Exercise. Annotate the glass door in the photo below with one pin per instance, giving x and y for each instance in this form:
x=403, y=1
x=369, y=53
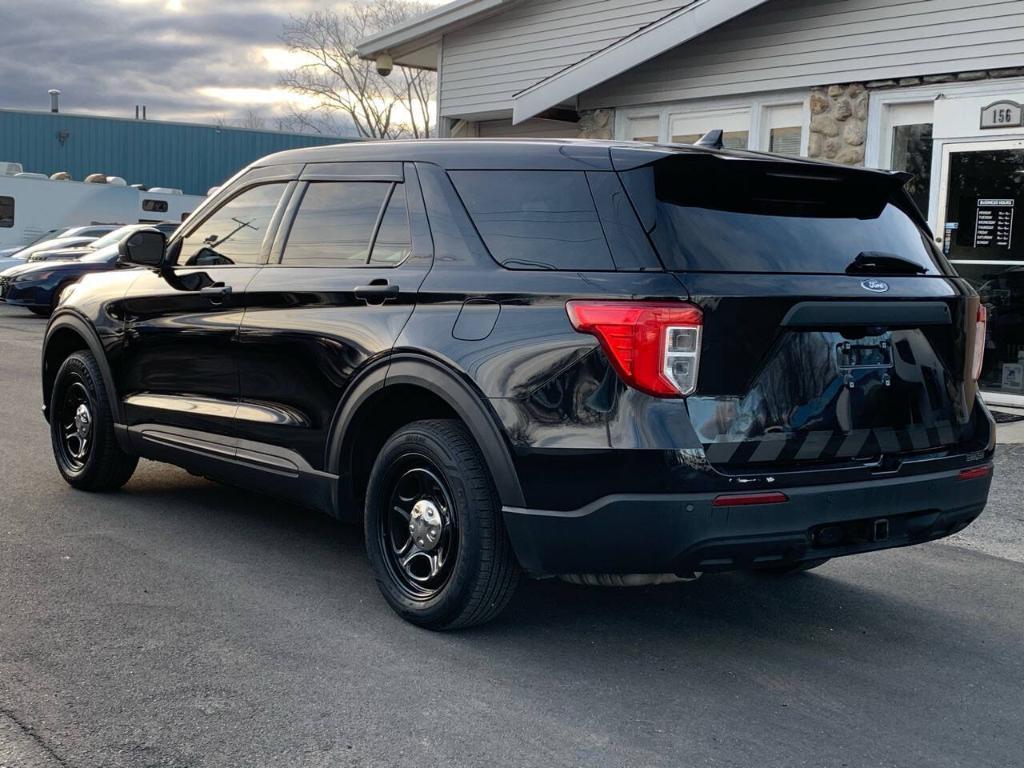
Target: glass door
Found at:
x=981, y=229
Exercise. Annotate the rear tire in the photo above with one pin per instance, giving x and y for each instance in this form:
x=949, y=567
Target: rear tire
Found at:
x=788, y=570
x=85, y=448
x=434, y=533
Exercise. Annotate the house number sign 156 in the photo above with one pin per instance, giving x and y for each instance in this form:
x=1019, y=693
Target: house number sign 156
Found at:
x=1002, y=114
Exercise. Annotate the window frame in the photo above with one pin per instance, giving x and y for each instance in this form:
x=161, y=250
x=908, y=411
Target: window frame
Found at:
x=757, y=109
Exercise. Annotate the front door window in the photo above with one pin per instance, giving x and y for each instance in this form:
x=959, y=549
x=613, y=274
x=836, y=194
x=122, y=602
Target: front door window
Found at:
x=983, y=235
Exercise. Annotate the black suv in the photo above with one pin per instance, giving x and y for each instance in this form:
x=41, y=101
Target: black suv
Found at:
x=551, y=357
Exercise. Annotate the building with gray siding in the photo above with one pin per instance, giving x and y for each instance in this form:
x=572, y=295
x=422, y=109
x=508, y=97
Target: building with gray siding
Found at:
x=184, y=156
x=933, y=87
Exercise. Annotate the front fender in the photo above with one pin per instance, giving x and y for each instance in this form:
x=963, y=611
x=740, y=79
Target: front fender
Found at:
x=65, y=322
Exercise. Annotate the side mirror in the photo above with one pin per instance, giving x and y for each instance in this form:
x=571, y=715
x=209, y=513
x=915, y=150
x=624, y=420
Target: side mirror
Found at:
x=144, y=248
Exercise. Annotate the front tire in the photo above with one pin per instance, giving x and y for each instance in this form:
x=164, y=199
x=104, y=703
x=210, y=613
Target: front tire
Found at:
x=434, y=534
x=82, y=428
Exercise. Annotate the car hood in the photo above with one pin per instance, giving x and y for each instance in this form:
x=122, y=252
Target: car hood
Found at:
x=64, y=253
x=36, y=266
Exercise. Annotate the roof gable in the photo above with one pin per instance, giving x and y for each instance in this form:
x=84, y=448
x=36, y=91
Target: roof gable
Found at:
x=528, y=56
x=669, y=32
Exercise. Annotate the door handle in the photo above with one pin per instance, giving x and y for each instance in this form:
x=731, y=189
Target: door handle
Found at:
x=377, y=291
x=216, y=292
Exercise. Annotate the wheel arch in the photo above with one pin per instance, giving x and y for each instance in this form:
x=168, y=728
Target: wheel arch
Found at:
x=66, y=334
x=427, y=388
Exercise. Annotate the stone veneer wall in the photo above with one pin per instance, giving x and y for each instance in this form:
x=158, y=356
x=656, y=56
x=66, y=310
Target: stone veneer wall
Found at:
x=597, y=124
x=839, y=123
x=839, y=113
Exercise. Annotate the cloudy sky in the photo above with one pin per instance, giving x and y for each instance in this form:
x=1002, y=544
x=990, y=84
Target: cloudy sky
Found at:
x=191, y=60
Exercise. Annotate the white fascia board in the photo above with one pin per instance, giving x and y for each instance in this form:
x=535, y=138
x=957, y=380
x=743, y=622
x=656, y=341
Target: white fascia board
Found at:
x=428, y=25
x=668, y=32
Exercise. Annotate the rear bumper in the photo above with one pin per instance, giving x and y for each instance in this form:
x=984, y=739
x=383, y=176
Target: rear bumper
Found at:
x=682, y=533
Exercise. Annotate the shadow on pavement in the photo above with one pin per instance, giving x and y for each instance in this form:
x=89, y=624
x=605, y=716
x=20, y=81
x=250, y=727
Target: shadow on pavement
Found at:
x=744, y=607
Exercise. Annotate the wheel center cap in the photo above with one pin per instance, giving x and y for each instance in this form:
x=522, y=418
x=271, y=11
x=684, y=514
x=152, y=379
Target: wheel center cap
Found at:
x=425, y=524
x=83, y=420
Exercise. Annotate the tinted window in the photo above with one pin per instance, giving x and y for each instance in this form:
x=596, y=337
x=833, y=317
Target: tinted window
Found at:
x=335, y=222
x=535, y=219
x=234, y=233
x=6, y=212
x=393, y=243
x=157, y=206
x=732, y=216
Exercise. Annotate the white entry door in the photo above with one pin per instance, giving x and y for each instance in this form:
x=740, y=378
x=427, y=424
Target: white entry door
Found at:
x=981, y=230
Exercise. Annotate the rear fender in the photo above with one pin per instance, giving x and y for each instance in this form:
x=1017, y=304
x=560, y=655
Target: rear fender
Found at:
x=446, y=384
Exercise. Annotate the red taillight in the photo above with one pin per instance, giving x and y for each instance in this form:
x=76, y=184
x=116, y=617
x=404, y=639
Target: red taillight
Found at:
x=980, y=329
x=974, y=473
x=749, y=499
x=653, y=346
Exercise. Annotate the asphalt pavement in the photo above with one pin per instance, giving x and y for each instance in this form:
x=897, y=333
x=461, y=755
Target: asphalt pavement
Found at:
x=183, y=623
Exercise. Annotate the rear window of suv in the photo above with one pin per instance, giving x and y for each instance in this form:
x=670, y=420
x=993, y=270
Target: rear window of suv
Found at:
x=706, y=214
x=535, y=219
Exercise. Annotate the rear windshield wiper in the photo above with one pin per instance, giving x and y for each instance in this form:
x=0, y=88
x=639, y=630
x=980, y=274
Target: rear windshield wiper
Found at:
x=879, y=263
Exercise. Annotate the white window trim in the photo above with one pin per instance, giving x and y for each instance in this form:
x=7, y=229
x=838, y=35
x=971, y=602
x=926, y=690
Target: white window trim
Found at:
x=877, y=146
x=759, y=135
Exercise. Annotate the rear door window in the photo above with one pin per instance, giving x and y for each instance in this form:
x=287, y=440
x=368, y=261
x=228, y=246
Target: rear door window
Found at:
x=535, y=219
x=335, y=223
x=714, y=215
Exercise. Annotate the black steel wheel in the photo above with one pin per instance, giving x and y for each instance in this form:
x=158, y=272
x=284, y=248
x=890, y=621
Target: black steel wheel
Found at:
x=85, y=448
x=75, y=419
x=419, y=530
x=434, y=533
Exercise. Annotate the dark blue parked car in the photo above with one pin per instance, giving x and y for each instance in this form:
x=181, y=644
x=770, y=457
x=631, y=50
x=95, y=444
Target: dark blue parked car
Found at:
x=38, y=285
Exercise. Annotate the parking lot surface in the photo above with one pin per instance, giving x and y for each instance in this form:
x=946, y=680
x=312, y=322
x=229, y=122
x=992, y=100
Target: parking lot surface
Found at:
x=184, y=623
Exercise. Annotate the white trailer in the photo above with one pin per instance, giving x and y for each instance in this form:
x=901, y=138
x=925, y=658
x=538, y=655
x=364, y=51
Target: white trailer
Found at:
x=32, y=204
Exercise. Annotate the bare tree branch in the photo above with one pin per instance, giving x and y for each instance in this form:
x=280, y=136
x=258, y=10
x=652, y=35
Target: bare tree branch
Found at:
x=339, y=82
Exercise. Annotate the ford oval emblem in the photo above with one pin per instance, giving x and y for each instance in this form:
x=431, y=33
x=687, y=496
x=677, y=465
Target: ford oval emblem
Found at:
x=875, y=286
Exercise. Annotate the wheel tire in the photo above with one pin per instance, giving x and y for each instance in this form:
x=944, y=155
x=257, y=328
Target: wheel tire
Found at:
x=434, y=469
x=41, y=311
x=96, y=463
x=787, y=570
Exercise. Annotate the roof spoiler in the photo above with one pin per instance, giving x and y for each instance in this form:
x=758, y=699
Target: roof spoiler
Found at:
x=713, y=139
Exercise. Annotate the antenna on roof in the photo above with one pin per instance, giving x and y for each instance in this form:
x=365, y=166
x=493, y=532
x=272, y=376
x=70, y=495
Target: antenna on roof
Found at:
x=713, y=139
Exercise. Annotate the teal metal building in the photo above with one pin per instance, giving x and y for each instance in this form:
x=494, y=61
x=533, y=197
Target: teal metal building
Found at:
x=186, y=156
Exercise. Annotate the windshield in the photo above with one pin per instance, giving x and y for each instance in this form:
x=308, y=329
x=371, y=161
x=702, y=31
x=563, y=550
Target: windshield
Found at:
x=113, y=238
x=47, y=236
x=735, y=216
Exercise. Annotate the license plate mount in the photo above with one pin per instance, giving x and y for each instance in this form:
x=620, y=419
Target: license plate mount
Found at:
x=864, y=354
